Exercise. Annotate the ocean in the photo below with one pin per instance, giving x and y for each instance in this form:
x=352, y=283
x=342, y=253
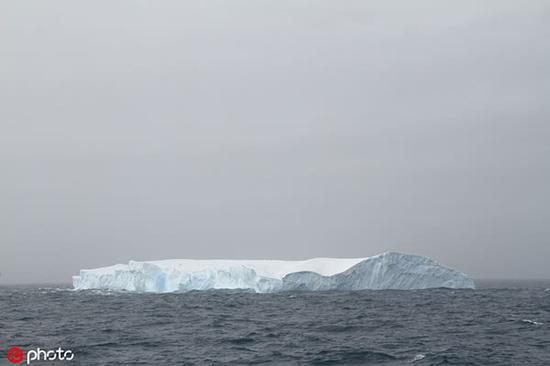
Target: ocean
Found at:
x=501, y=323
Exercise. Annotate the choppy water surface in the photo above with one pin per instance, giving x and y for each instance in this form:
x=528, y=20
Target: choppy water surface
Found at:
x=491, y=326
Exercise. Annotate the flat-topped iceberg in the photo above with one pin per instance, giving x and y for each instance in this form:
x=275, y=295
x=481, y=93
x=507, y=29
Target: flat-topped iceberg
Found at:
x=384, y=271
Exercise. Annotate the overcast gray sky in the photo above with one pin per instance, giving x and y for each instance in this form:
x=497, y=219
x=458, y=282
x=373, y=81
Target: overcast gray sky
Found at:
x=274, y=129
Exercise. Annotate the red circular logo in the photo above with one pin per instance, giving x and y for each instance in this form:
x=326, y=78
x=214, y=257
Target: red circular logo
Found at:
x=15, y=355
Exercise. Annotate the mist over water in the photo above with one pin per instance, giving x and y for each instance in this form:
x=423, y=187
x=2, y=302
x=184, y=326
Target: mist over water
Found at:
x=494, y=325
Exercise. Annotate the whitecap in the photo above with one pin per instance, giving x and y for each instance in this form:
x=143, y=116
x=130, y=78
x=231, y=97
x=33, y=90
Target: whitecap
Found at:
x=529, y=321
x=418, y=357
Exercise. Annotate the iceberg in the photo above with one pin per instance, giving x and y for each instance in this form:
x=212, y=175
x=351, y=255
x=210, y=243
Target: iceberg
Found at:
x=390, y=270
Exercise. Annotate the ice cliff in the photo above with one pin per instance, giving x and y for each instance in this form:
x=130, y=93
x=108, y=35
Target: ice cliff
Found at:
x=384, y=271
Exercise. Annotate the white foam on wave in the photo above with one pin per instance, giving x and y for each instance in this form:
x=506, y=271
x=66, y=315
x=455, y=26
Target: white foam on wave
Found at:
x=529, y=321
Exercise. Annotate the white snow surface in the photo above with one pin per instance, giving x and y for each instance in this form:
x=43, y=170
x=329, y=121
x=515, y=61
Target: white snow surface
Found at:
x=400, y=271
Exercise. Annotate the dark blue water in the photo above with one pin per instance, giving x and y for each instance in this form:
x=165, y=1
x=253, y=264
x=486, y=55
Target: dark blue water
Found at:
x=490, y=326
